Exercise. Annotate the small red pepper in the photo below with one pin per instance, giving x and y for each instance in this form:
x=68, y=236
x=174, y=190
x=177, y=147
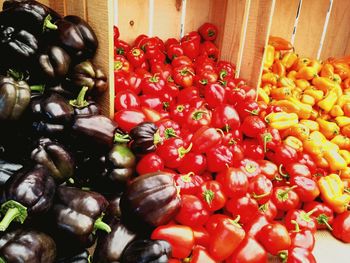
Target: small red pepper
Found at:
x=208, y=31
x=302, y=218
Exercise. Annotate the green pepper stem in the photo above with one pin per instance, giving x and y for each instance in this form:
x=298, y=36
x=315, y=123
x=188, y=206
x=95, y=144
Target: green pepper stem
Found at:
x=121, y=138
x=2, y=260
x=48, y=24
x=297, y=227
x=10, y=215
x=100, y=225
x=40, y=88
x=80, y=101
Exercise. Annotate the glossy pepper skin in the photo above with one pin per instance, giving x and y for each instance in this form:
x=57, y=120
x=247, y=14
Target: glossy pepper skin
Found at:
x=14, y=97
x=54, y=63
x=76, y=37
x=39, y=189
x=35, y=17
x=147, y=251
x=82, y=107
x=17, y=46
x=88, y=75
x=144, y=138
x=55, y=157
x=96, y=129
x=26, y=245
x=78, y=214
x=7, y=169
x=81, y=257
x=52, y=114
x=111, y=246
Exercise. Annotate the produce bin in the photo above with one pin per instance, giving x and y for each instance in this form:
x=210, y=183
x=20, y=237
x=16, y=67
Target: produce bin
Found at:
x=317, y=28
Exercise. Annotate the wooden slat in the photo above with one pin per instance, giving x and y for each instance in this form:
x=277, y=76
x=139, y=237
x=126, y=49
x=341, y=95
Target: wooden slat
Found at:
x=310, y=27
x=166, y=21
x=231, y=33
x=284, y=17
x=259, y=23
x=100, y=17
x=337, y=41
x=59, y=6
x=78, y=7
x=132, y=18
x=197, y=13
x=217, y=16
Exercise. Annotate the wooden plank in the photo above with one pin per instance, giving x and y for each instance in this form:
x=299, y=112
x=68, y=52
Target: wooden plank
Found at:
x=59, y=6
x=310, y=27
x=284, y=18
x=258, y=30
x=166, y=20
x=100, y=17
x=217, y=16
x=132, y=18
x=197, y=13
x=337, y=41
x=78, y=8
x=231, y=34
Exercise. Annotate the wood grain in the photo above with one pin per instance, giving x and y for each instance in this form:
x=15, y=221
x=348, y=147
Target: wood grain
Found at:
x=166, y=21
x=337, y=41
x=132, y=18
x=78, y=8
x=284, y=18
x=217, y=16
x=197, y=13
x=100, y=17
x=59, y=6
x=310, y=27
x=259, y=23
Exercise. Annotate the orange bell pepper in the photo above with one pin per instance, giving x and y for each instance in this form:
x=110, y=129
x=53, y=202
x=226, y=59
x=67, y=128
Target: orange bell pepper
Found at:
x=323, y=83
x=285, y=82
x=299, y=131
x=346, y=109
x=279, y=43
x=342, y=141
x=292, y=75
x=289, y=59
x=270, y=78
x=300, y=63
x=346, y=83
x=307, y=73
x=278, y=68
x=302, y=83
x=336, y=111
x=304, y=109
x=327, y=70
x=281, y=93
x=269, y=56
x=346, y=131
x=342, y=69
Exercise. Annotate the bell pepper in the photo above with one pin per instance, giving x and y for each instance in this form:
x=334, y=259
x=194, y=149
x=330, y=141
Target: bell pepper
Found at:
x=316, y=64
x=110, y=246
x=269, y=56
x=25, y=245
x=270, y=78
x=329, y=129
x=316, y=94
x=55, y=158
x=204, y=139
x=289, y=59
x=281, y=93
x=278, y=68
x=300, y=63
x=297, y=93
x=307, y=99
x=342, y=141
x=280, y=43
x=312, y=125
x=341, y=227
x=144, y=138
x=302, y=83
x=74, y=206
x=294, y=142
x=329, y=101
x=299, y=130
x=327, y=70
x=285, y=82
x=17, y=206
x=7, y=169
x=281, y=120
x=286, y=106
x=14, y=97
x=342, y=121
x=342, y=69
x=336, y=111
x=307, y=73
x=346, y=156
x=304, y=109
x=321, y=162
x=263, y=96
x=332, y=192
x=85, y=74
x=324, y=83
x=82, y=107
x=346, y=131
x=342, y=100
x=335, y=160
x=292, y=75
x=79, y=257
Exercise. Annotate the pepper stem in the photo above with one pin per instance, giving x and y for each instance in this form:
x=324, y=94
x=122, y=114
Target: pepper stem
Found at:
x=280, y=170
x=39, y=87
x=121, y=138
x=297, y=227
x=255, y=196
x=48, y=24
x=100, y=225
x=2, y=260
x=80, y=101
x=13, y=211
x=182, y=150
x=323, y=219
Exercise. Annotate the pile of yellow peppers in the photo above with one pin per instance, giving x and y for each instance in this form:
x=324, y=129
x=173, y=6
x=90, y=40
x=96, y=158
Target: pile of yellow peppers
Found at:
x=315, y=98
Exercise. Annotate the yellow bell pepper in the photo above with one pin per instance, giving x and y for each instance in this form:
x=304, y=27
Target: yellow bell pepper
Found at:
x=342, y=141
x=335, y=160
x=329, y=129
x=277, y=55
x=307, y=73
x=302, y=83
x=329, y=101
x=307, y=99
x=345, y=174
x=305, y=109
x=289, y=59
x=314, y=115
x=285, y=82
x=267, y=89
x=346, y=156
x=316, y=94
x=312, y=125
x=329, y=146
x=269, y=77
x=342, y=121
x=342, y=100
x=262, y=96
x=281, y=120
x=332, y=192
x=296, y=93
x=299, y=131
x=336, y=111
x=301, y=63
x=281, y=93
x=294, y=142
x=269, y=56
x=327, y=70
x=286, y=105
x=316, y=64
x=313, y=147
x=292, y=75
x=324, y=83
